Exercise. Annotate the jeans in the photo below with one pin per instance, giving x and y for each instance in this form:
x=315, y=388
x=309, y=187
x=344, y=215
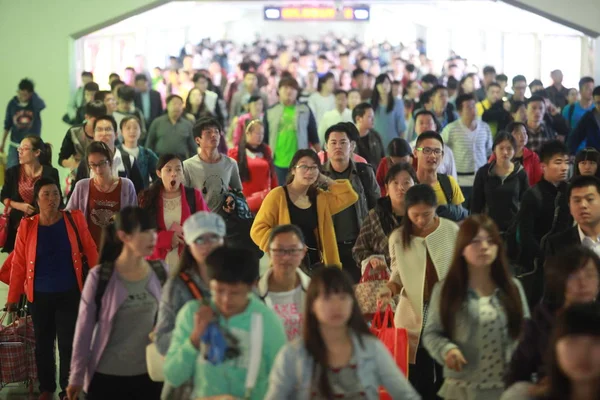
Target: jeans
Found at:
x=281, y=175
x=54, y=315
x=112, y=387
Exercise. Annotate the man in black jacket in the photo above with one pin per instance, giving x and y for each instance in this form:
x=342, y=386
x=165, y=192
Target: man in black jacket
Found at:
x=147, y=100
x=369, y=144
x=544, y=211
x=584, y=203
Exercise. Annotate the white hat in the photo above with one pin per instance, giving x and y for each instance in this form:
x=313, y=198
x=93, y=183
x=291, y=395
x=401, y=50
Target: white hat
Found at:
x=203, y=222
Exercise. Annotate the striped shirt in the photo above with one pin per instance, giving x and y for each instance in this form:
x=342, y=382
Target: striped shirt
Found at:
x=471, y=148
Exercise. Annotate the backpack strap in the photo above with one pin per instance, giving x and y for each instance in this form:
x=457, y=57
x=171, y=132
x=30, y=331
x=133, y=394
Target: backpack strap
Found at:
x=159, y=269
x=106, y=271
x=192, y=287
x=190, y=196
x=446, y=186
x=363, y=170
x=570, y=116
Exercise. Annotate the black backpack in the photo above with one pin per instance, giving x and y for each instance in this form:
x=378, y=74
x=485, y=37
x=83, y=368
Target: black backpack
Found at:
x=238, y=222
x=190, y=196
x=106, y=271
x=363, y=174
x=446, y=186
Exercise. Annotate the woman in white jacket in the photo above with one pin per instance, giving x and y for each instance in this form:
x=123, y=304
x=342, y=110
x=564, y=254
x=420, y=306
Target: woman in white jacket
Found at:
x=421, y=253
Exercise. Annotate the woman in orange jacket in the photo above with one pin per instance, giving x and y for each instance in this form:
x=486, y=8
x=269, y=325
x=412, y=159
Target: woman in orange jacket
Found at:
x=49, y=266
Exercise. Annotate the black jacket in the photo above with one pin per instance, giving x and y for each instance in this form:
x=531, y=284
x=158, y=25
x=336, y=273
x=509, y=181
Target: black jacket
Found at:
x=370, y=147
x=156, y=108
x=562, y=240
x=587, y=129
x=10, y=190
x=499, y=198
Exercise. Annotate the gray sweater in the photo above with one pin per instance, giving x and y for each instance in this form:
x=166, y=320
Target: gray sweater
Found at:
x=164, y=137
x=212, y=179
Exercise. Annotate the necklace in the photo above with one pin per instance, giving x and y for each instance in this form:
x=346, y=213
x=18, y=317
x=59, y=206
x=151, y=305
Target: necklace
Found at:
x=110, y=187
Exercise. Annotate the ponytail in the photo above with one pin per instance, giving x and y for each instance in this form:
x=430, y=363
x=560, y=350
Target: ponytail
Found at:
x=110, y=245
x=45, y=149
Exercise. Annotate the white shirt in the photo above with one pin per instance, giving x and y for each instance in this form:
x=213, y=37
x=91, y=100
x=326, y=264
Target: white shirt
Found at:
x=330, y=118
x=589, y=242
x=471, y=147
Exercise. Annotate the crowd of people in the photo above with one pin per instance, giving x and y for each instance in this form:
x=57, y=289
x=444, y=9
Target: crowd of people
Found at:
x=336, y=160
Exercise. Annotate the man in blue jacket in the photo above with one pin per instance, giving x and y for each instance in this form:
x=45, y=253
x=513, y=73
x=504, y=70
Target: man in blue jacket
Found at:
x=22, y=119
x=588, y=127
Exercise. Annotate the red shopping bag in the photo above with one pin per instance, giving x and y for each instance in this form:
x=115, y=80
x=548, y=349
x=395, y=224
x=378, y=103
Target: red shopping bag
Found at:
x=395, y=339
x=17, y=351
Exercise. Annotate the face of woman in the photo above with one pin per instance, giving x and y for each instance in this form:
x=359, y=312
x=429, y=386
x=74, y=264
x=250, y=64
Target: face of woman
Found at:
x=578, y=357
x=141, y=243
x=256, y=135
x=195, y=98
x=520, y=135
x=504, y=152
x=100, y=165
x=131, y=131
x=421, y=215
x=588, y=168
x=482, y=251
x=26, y=153
x=414, y=90
x=204, y=245
x=333, y=310
x=469, y=85
x=306, y=171
x=520, y=115
x=48, y=198
x=583, y=285
x=286, y=252
x=256, y=108
x=384, y=87
x=398, y=186
x=171, y=175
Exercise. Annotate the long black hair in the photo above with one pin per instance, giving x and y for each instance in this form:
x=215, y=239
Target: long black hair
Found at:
x=587, y=154
x=375, y=98
x=262, y=148
x=149, y=197
x=328, y=280
x=202, y=110
x=128, y=220
x=418, y=194
x=45, y=157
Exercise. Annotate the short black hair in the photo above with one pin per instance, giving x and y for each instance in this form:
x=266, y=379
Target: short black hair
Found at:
x=535, y=82
x=114, y=75
x=204, y=123
x=515, y=105
x=141, y=77
x=585, y=80
x=254, y=98
x=232, y=266
x=493, y=84
x=91, y=87
x=106, y=118
x=101, y=95
x=173, y=96
x=97, y=147
x=535, y=99
x=198, y=76
x=397, y=168
x=27, y=85
x=438, y=127
x=87, y=74
x=463, y=98
x=504, y=136
x=582, y=181
x=429, y=135
x=551, y=149
x=360, y=110
x=426, y=97
x=488, y=69
x=430, y=78
x=596, y=91
x=452, y=83
x=95, y=109
x=126, y=93
x=286, y=228
x=501, y=78
x=340, y=91
x=357, y=72
x=347, y=127
x=437, y=88
x=518, y=78
x=116, y=83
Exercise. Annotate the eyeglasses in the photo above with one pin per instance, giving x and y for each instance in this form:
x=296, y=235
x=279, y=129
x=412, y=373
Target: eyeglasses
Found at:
x=286, y=252
x=428, y=150
x=101, y=164
x=306, y=168
x=23, y=149
x=208, y=239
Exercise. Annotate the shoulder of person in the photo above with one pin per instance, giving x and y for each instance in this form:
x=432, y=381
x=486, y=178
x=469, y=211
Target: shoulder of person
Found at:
x=518, y=391
x=77, y=215
x=127, y=182
x=449, y=225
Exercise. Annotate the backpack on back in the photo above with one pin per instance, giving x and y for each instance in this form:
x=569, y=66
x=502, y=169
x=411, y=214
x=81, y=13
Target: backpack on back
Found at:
x=446, y=186
x=190, y=196
x=106, y=271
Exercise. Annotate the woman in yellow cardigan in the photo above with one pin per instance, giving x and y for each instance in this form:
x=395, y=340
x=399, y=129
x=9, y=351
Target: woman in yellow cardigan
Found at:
x=302, y=202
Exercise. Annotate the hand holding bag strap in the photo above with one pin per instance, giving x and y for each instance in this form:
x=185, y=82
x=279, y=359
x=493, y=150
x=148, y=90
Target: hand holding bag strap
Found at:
x=85, y=268
x=256, y=344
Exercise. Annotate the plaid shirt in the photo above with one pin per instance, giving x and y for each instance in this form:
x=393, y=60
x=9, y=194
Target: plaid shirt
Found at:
x=371, y=240
x=536, y=139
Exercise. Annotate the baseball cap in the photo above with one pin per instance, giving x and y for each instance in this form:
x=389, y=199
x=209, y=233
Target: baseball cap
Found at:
x=201, y=223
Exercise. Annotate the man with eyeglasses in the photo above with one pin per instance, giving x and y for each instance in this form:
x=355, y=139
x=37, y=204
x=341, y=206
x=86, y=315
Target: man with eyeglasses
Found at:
x=588, y=128
x=340, y=140
x=471, y=141
x=426, y=121
x=124, y=165
x=519, y=86
x=429, y=152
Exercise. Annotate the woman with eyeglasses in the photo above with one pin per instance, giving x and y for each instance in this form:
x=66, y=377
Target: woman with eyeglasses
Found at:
x=303, y=203
x=499, y=185
x=283, y=286
x=35, y=162
x=371, y=246
x=104, y=195
x=202, y=233
x=476, y=315
x=255, y=164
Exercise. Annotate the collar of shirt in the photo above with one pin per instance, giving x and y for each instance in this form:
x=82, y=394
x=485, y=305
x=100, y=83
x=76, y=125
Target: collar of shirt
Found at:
x=586, y=240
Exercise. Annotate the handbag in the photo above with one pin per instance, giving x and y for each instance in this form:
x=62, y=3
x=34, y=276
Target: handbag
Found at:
x=395, y=339
x=367, y=288
x=4, y=226
x=17, y=351
x=85, y=266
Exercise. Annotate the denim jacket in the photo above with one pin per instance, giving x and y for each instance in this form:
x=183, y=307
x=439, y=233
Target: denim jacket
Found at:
x=291, y=375
x=466, y=335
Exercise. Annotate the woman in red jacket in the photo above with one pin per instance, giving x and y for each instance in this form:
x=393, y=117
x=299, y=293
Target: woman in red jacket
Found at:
x=255, y=162
x=171, y=203
x=48, y=266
